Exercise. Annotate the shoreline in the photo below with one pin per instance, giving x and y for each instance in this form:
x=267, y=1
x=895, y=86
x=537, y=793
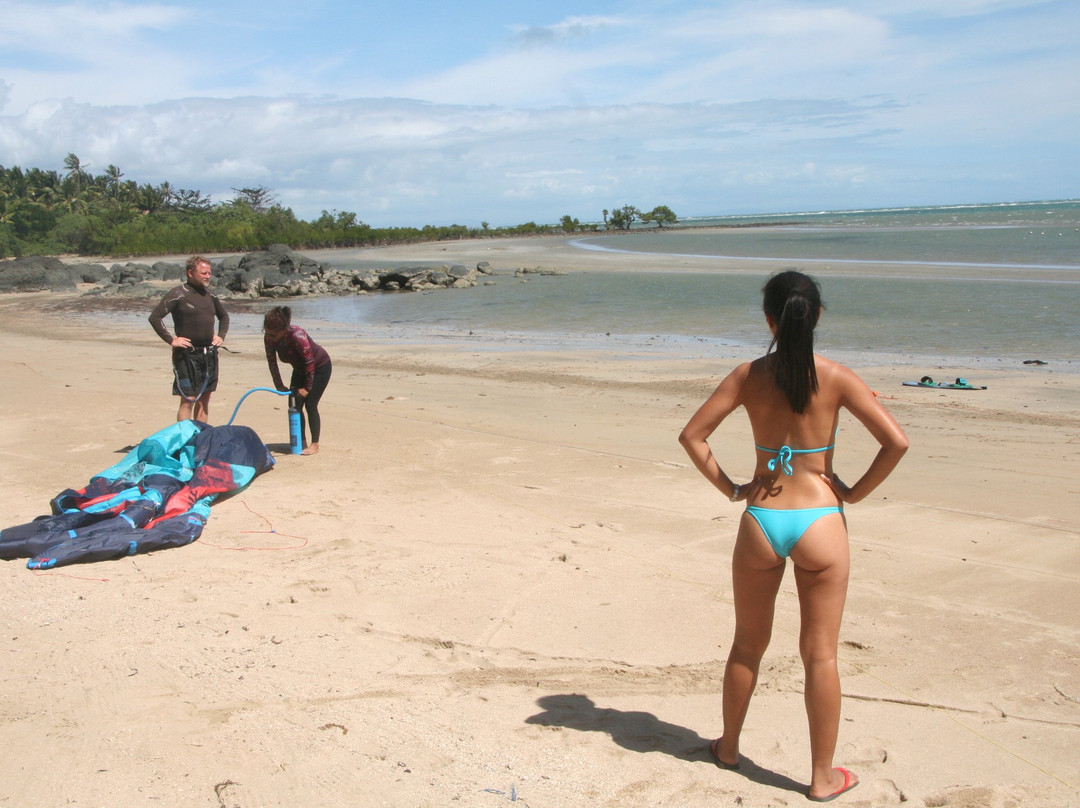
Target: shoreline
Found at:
x=556, y=253
x=705, y=352
x=559, y=252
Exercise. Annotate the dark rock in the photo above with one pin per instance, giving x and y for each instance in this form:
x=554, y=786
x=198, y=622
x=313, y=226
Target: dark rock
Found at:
x=33, y=273
x=131, y=273
x=369, y=281
x=537, y=271
x=139, y=291
x=59, y=280
x=167, y=271
x=274, y=277
x=276, y=272
x=89, y=273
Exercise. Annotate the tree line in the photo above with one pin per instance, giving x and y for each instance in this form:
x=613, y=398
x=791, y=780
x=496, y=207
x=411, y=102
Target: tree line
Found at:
x=49, y=212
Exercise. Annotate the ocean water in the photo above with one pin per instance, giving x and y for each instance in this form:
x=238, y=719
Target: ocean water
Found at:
x=887, y=245
x=995, y=284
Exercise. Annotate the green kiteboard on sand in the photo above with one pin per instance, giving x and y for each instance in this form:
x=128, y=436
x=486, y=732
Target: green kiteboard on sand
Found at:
x=959, y=384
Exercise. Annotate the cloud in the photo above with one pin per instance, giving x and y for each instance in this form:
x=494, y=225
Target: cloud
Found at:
x=58, y=27
x=707, y=107
x=400, y=156
x=88, y=51
x=566, y=31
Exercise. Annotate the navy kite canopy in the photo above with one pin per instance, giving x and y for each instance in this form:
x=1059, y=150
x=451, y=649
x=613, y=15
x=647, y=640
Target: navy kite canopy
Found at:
x=158, y=496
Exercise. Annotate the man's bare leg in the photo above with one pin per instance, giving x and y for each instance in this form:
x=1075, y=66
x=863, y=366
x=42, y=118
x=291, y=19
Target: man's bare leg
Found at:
x=202, y=408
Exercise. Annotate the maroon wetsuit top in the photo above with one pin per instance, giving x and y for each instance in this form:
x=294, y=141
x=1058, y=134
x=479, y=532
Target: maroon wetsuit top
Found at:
x=297, y=349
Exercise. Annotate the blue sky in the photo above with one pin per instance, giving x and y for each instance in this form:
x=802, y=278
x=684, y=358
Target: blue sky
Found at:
x=411, y=113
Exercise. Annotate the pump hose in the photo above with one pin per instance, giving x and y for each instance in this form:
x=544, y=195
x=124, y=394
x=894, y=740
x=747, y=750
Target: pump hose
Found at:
x=255, y=390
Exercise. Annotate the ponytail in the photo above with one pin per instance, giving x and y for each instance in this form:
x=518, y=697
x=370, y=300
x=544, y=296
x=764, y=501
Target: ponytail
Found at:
x=792, y=301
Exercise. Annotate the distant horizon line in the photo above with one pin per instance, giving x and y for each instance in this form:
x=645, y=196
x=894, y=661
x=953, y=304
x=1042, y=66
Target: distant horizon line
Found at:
x=849, y=211
x=888, y=209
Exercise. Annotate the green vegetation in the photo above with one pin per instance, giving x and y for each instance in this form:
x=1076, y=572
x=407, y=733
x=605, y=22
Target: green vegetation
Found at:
x=45, y=213
x=661, y=214
x=623, y=218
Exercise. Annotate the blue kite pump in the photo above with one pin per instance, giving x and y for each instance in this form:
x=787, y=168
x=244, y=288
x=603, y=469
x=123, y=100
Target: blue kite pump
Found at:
x=296, y=432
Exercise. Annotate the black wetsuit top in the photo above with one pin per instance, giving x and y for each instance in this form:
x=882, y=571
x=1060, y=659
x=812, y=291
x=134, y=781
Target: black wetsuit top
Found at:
x=193, y=310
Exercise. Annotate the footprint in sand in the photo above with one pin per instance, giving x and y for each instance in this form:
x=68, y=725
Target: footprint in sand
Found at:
x=974, y=797
x=870, y=751
x=886, y=792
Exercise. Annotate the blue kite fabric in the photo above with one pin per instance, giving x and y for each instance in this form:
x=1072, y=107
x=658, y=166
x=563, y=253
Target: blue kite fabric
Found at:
x=157, y=497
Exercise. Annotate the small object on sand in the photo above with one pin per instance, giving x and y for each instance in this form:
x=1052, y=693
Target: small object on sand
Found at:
x=1034, y=362
x=959, y=384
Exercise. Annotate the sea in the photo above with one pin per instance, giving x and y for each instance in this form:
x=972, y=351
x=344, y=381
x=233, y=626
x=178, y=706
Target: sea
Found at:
x=994, y=285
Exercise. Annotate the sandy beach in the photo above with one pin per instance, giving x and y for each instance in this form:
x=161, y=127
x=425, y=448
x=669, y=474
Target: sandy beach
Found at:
x=502, y=581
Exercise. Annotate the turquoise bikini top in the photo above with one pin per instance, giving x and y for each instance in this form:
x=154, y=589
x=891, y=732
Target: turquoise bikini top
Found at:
x=784, y=455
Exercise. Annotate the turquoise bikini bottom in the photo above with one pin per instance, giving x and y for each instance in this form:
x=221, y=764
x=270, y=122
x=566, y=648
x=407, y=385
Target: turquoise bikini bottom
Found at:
x=784, y=528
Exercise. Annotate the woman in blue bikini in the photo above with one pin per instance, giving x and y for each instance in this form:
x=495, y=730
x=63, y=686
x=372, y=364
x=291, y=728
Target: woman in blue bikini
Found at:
x=795, y=509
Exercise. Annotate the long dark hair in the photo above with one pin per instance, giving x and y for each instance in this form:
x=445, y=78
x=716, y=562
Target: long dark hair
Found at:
x=793, y=302
x=277, y=319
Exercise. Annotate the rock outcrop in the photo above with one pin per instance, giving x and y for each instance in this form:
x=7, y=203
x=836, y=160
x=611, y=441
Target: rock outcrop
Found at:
x=35, y=274
x=278, y=272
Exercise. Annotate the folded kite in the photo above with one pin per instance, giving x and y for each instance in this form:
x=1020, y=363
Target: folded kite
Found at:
x=157, y=497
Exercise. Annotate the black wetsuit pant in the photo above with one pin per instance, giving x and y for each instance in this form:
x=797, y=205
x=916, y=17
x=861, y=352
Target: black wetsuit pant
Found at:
x=311, y=403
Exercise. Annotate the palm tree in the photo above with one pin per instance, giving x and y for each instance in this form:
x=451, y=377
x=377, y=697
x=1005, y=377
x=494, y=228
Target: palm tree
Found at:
x=165, y=193
x=76, y=204
x=149, y=198
x=129, y=190
x=43, y=186
x=14, y=182
x=75, y=168
x=113, y=175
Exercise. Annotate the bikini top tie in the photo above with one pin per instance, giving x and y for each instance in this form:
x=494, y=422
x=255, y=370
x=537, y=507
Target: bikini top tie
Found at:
x=784, y=455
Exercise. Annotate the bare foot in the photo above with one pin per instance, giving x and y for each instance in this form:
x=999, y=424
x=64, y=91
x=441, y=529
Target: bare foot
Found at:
x=312, y=449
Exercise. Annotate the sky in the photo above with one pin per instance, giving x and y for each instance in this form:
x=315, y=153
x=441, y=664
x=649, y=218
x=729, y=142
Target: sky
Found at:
x=505, y=112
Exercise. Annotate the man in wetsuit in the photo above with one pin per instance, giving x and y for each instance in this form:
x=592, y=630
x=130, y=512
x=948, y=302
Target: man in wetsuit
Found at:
x=194, y=355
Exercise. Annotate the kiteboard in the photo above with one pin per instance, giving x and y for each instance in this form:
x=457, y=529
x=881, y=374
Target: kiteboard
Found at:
x=959, y=384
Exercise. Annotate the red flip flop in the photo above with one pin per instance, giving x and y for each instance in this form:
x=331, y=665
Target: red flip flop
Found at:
x=849, y=783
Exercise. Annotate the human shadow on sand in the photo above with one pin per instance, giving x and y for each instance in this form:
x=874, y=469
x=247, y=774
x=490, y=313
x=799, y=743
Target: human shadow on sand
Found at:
x=644, y=732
